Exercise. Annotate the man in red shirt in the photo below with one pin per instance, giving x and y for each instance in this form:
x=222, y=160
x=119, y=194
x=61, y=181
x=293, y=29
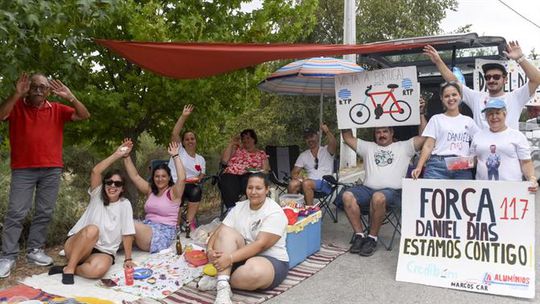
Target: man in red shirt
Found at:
x=36, y=136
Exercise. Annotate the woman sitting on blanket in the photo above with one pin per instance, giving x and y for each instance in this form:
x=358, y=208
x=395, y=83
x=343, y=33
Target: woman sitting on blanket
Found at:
x=108, y=220
x=158, y=230
x=248, y=248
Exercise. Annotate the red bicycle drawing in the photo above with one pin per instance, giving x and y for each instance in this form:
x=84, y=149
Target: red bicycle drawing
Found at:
x=399, y=110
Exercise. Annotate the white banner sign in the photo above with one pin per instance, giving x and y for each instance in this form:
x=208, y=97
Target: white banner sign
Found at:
x=468, y=235
x=380, y=98
x=516, y=77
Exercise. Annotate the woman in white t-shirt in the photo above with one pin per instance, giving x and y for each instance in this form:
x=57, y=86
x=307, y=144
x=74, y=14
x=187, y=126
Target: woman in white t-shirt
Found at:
x=502, y=153
x=248, y=248
x=107, y=221
x=447, y=135
x=194, y=165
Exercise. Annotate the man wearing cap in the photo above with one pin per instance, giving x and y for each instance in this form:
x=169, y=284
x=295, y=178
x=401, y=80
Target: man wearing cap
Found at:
x=318, y=161
x=36, y=135
x=511, y=145
x=495, y=75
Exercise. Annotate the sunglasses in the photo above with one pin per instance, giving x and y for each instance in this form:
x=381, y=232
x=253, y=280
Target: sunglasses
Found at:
x=111, y=182
x=495, y=77
x=316, y=163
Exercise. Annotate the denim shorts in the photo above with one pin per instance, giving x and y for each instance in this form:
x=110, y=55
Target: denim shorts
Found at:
x=281, y=269
x=322, y=186
x=162, y=236
x=436, y=169
x=363, y=195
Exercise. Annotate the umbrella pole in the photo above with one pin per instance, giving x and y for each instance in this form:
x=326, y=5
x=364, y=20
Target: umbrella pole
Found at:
x=320, y=113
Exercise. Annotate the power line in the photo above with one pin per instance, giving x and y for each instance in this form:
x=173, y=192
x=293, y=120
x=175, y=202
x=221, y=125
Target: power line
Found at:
x=513, y=10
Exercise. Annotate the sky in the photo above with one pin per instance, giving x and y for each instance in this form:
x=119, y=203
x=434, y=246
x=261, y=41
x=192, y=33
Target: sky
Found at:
x=491, y=18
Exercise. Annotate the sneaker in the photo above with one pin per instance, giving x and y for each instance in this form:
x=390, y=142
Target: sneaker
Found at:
x=38, y=257
x=369, y=247
x=358, y=241
x=5, y=267
x=224, y=293
x=207, y=283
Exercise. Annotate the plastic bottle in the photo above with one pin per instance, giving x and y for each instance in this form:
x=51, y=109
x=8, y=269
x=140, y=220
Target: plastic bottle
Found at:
x=178, y=245
x=128, y=275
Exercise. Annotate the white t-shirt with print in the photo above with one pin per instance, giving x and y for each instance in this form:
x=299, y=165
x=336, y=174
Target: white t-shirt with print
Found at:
x=190, y=164
x=515, y=101
x=307, y=161
x=113, y=221
x=510, y=146
x=269, y=218
x=385, y=166
x=452, y=134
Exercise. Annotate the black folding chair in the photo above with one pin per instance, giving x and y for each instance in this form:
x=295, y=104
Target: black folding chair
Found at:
x=392, y=217
x=327, y=200
x=281, y=159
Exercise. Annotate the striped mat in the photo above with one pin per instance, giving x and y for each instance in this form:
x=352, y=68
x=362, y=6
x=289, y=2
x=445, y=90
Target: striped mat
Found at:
x=191, y=295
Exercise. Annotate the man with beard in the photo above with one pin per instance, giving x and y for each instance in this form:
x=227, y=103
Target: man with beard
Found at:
x=36, y=135
x=495, y=75
x=385, y=164
x=318, y=161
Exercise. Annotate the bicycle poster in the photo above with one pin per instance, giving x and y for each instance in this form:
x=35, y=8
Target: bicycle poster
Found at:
x=471, y=235
x=515, y=79
x=379, y=98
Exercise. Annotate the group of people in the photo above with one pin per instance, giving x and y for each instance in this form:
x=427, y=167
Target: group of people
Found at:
x=491, y=136
x=248, y=248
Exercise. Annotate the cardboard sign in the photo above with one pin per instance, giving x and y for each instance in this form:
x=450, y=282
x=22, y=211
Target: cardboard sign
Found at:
x=380, y=98
x=516, y=77
x=468, y=235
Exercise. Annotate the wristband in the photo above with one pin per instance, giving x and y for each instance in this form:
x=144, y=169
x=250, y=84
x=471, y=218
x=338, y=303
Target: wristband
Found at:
x=127, y=260
x=176, y=155
x=520, y=59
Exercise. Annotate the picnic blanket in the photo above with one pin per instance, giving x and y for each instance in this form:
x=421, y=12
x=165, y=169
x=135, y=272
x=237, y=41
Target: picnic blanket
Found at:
x=20, y=293
x=313, y=264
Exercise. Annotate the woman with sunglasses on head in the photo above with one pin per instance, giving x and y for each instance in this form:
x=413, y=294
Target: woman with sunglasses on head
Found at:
x=107, y=221
x=158, y=230
x=241, y=158
x=194, y=165
x=447, y=135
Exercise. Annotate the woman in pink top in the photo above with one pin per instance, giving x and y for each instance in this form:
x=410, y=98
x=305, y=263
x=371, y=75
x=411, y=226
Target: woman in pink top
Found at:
x=158, y=230
x=241, y=157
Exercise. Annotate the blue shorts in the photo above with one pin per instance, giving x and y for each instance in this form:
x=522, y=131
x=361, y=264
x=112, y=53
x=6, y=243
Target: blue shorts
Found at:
x=322, y=186
x=162, y=236
x=281, y=269
x=363, y=195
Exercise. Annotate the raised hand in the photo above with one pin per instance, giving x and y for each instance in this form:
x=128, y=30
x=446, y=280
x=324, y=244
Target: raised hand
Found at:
x=324, y=128
x=188, y=109
x=23, y=85
x=513, y=50
x=59, y=89
x=125, y=148
x=432, y=53
x=173, y=148
x=236, y=141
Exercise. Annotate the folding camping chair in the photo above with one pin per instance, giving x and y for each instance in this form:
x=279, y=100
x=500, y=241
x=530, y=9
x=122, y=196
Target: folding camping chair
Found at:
x=281, y=159
x=326, y=200
x=392, y=217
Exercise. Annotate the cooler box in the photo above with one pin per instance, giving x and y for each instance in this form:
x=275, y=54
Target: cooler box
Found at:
x=304, y=238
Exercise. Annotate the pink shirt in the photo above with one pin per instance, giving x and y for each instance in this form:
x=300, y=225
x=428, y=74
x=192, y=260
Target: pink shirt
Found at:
x=161, y=209
x=242, y=159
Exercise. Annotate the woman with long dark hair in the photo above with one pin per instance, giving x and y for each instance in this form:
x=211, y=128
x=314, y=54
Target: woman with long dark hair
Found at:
x=158, y=230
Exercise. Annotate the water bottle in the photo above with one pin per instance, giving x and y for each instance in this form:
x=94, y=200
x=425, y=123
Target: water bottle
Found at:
x=128, y=275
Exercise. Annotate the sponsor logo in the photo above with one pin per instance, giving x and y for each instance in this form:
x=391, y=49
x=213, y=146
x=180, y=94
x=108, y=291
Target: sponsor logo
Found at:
x=506, y=279
x=430, y=270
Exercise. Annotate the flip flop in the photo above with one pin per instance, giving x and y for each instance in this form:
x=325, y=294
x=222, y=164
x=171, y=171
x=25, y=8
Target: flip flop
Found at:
x=68, y=279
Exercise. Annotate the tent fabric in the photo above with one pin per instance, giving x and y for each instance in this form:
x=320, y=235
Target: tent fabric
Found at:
x=198, y=60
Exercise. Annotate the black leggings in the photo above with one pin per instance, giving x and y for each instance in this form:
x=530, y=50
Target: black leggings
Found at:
x=232, y=186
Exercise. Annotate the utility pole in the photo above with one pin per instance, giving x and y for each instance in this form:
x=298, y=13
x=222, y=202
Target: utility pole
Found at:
x=347, y=155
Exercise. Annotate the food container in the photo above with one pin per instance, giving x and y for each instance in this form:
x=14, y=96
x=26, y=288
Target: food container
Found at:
x=292, y=200
x=459, y=163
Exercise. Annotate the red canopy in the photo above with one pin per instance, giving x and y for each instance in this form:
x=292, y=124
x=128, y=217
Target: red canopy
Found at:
x=197, y=60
